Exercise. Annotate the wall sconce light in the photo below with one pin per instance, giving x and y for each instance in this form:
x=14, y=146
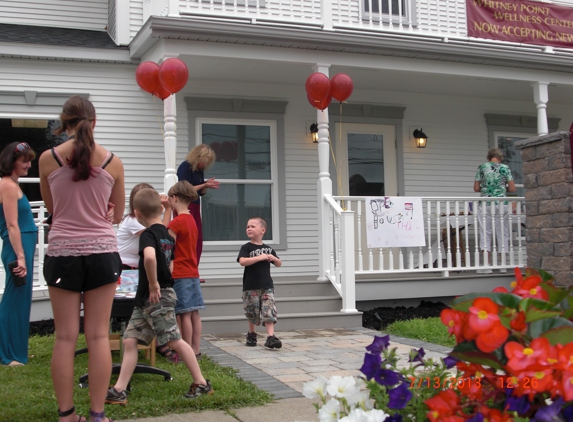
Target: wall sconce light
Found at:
x=421, y=138
x=314, y=132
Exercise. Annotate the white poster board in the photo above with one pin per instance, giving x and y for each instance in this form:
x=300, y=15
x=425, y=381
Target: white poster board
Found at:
x=394, y=221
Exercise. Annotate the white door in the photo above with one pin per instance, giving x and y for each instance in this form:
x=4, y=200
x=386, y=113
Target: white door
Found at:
x=365, y=160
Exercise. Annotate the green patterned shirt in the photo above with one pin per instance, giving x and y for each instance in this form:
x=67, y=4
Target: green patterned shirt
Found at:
x=493, y=178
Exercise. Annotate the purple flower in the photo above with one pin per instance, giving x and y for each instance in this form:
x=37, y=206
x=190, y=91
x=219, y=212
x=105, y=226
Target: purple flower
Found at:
x=386, y=377
x=417, y=355
x=394, y=418
x=568, y=413
x=477, y=418
x=399, y=396
x=450, y=361
x=549, y=413
x=517, y=404
x=371, y=365
x=379, y=344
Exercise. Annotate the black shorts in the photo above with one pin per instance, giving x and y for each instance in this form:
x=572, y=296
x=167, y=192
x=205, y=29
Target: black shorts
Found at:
x=82, y=273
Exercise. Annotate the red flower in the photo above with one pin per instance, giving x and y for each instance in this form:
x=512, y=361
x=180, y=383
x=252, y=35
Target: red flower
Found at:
x=520, y=357
x=531, y=288
x=490, y=340
x=565, y=357
x=483, y=315
x=518, y=323
x=454, y=321
x=445, y=404
x=567, y=385
x=500, y=289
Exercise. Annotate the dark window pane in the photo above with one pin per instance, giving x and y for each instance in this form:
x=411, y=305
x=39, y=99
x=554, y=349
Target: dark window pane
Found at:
x=226, y=211
x=385, y=7
x=365, y=164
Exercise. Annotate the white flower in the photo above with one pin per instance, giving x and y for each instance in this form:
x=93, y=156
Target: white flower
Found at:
x=314, y=389
x=375, y=415
x=360, y=399
x=359, y=415
x=341, y=387
x=330, y=412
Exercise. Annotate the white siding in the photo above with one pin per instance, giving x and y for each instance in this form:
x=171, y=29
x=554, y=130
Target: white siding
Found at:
x=135, y=16
x=78, y=14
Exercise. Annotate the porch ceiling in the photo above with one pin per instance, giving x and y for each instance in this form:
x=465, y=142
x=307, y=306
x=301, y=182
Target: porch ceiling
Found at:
x=245, y=71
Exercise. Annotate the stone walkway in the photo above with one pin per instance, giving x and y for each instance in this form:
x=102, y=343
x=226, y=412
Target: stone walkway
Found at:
x=305, y=355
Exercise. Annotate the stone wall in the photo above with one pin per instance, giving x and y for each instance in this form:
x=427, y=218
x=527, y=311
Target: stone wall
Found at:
x=549, y=204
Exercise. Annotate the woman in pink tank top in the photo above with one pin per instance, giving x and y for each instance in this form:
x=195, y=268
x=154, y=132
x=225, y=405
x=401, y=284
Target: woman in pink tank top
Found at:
x=82, y=186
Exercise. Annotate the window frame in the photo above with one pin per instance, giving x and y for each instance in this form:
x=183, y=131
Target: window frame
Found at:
x=407, y=18
x=522, y=135
x=199, y=122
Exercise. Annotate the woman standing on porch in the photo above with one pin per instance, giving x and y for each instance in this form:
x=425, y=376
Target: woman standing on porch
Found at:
x=197, y=161
x=19, y=237
x=82, y=187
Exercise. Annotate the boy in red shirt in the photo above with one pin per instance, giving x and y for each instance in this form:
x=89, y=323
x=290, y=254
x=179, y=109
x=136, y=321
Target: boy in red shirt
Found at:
x=185, y=272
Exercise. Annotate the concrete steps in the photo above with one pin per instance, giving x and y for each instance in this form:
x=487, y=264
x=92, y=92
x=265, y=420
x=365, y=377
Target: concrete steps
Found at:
x=301, y=304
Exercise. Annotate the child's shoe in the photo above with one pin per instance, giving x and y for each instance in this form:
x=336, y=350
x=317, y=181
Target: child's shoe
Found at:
x=273, y=343
x=251, y=339
x=116, y=397
x=197, y=390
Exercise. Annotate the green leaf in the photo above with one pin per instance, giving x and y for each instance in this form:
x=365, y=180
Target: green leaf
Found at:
x=556, y=294
x=467, y=351
x=538, y=328
x=534, y=314
x=540, y=304
x=547, y=277
x=561, y=335
x=463, y=303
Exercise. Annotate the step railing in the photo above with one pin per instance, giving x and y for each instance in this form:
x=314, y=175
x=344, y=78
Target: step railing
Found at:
x=452, y=231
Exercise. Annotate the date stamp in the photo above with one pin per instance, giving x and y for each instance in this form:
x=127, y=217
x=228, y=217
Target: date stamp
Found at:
x=445, y=383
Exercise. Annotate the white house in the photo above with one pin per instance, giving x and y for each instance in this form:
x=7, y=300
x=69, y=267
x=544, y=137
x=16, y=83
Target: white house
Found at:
x=413, y=66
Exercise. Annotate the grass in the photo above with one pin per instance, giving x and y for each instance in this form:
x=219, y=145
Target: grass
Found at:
x=429, y=329
x=28, y=394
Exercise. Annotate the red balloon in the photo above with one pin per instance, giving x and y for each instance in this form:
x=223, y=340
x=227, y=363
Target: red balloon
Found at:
x=173, y=75
x=161, y=93
x=216, y=147
x=341, y=86
x=320, y=105
x=318, y=86
x=147, y=76
x=227, y=151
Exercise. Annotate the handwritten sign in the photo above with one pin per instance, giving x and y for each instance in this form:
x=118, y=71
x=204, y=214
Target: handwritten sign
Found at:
x=394, y=221
x=521, y=21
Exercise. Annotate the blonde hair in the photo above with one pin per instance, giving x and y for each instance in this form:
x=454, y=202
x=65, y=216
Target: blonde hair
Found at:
x=148, y=203
x=261, y=221
x=136, y=189
x=184, y=190
x=201, y=154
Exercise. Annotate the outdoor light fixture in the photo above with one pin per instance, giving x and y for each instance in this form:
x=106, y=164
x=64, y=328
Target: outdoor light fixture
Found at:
x=421, y=138
x=314, y=132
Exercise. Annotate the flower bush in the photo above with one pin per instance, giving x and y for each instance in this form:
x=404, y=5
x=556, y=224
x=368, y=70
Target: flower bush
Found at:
x=513, y=362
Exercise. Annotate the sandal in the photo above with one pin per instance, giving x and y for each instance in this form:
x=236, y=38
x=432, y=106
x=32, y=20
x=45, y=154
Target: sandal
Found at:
x=98, y=417
x=69, y=412
x=168, y=354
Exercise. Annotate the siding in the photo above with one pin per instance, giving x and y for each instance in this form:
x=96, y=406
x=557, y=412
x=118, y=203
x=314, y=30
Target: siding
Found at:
x=75, y=14
x=135, y=17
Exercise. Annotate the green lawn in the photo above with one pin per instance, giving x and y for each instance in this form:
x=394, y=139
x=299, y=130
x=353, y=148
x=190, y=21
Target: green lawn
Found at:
x=429, y=329
x=28, y=395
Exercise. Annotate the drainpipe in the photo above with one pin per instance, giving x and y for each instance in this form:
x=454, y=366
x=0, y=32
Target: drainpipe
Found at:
x=541, y=96
x=324, y=186
x=169, y=141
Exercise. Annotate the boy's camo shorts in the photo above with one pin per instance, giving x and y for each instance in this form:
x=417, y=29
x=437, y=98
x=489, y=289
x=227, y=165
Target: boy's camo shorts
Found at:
x=155, y=320
x=259, y=306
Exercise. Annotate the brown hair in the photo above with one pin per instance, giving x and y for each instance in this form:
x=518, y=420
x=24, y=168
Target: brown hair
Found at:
x=261, y=220
x=79, y=114
x=148, y=203
x=10, y=155
x=184, y=190
x=495, y=153
x=134, y=190
x=201, y=154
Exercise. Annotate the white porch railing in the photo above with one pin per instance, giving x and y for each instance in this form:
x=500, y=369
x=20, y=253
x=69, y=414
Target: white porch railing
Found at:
x=452, y=233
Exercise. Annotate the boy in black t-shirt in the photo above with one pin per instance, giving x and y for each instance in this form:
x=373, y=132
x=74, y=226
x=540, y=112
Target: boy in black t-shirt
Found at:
x=153, y=315
x=258, y=288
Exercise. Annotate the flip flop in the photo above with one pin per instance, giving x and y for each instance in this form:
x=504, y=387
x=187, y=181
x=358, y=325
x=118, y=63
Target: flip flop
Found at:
x=15, y=363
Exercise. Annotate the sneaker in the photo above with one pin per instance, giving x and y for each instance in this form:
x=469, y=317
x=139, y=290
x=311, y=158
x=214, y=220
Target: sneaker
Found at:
x=273, y=343
x=197, y=390
x=116, y=397
x=251, y=339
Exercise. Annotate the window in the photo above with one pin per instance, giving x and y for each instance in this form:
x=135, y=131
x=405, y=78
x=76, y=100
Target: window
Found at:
x=246, y=166
x=512, y=157
x=398, y=7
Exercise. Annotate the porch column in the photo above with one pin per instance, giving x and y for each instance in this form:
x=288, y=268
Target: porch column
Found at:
x=169, y=141
x=324, y=186
x=541, y=96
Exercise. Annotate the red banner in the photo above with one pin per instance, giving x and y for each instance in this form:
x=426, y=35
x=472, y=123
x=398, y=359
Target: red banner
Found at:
x=527, y=22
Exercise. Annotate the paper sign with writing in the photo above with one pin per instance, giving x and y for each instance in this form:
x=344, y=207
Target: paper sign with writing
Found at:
x=522, y=21
x=394, y=221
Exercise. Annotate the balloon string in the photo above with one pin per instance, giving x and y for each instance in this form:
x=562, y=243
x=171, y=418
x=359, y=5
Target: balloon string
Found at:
x=158, y=117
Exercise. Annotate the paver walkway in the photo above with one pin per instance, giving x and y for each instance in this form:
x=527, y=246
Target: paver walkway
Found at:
x=305, y=355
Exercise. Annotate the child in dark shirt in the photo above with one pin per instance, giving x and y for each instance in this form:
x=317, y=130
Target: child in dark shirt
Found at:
x=258, y=288
x=153, y=315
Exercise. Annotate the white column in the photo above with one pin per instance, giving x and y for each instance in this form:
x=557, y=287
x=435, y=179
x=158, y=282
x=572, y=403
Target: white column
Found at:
x=541, y=96
x=173, y=11
x=122, y=36
x=324, y=184
x=326, y=15
x=170, y=141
